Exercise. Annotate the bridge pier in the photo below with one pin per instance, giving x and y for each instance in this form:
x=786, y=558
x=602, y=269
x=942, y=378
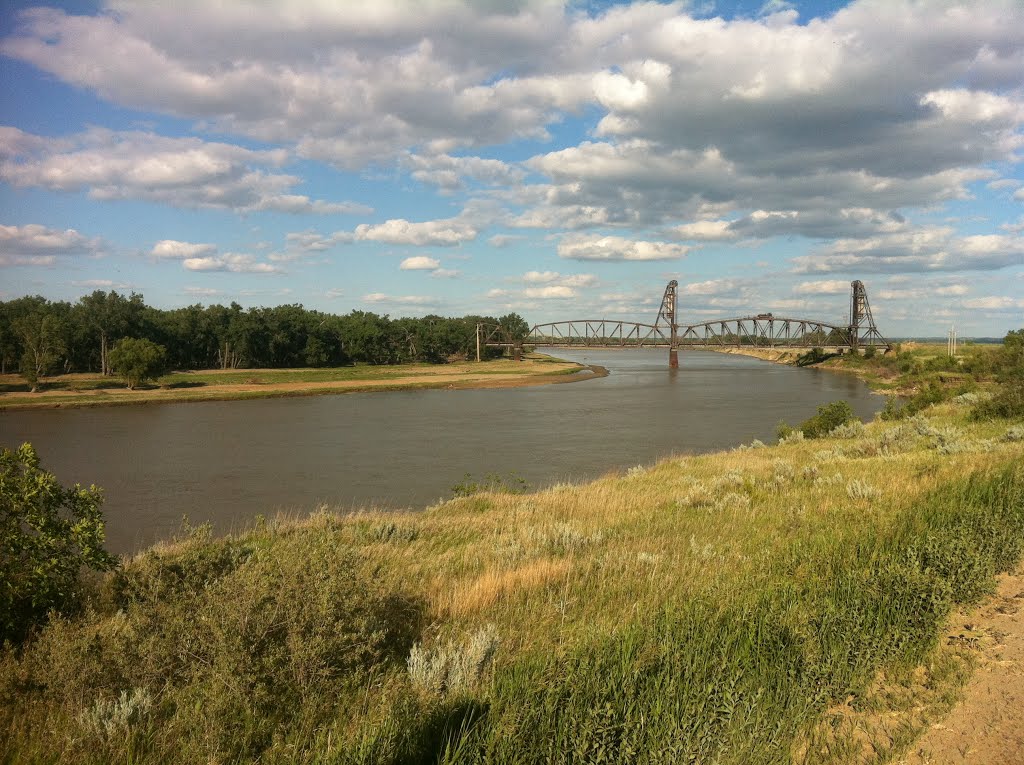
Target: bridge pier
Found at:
x=673, y=358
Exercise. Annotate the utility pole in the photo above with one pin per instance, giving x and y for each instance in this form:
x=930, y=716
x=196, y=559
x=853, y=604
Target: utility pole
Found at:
x=951, y=342
x=478, y=341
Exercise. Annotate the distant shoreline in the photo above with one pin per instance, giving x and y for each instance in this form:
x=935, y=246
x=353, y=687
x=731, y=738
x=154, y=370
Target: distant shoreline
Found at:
x=246, y=385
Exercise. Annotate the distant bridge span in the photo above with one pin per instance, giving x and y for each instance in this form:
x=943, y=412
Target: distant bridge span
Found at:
x=763, y=330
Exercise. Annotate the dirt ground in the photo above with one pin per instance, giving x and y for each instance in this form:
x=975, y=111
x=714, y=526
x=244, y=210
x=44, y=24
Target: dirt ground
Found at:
x=987, y=726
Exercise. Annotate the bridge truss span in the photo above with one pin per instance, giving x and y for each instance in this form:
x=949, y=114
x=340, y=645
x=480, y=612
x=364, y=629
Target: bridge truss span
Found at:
x=763, y=330
x=604, y=333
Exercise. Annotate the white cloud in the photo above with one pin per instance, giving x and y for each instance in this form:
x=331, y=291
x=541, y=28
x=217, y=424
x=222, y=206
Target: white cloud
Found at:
x=445, y=273
x=581, y=247
x=420, y=263
x=503, y=240
x=553, y=277
x=450, y=173
x=550, y=291
x=171, y=248
x=1001, y=303
x=380, y=297
x=239, y=263
x=711, y=287
x=826, y=287
x=311, y=241
x=201, y=291
x=36, y=245
x=438, y=233
x=181, y=172
x=705, y=230
x=917, y=250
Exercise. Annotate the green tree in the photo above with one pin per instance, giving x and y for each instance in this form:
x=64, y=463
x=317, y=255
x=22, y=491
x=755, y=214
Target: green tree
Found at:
x=138, y=360
x=110, y=316
x=42, y=345
x=48, y=534
x=514, y=326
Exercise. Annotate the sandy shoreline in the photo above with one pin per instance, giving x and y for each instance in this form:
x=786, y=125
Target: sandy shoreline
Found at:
x=546, y=372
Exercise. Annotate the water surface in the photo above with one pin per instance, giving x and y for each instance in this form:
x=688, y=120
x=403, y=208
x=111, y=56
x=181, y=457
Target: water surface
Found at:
x=227, y=462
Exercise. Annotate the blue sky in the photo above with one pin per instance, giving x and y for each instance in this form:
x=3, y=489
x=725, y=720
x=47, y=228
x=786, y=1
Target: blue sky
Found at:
x=562, y=160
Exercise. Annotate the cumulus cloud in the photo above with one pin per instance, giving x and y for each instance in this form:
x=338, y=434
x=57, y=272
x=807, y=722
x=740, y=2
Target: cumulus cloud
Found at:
x=438, y=233
x=311, y=241
x=825, y=287
x=173, y=249
x=380, y=297
x=920, y=250
x=583, y=247
x=181, y=172
x=238, y=263
x=559, y=291
x=450, y=173
x=503, y=240
x=995, y=303
x=36, y=245
x=420, y=263
x=553, y=277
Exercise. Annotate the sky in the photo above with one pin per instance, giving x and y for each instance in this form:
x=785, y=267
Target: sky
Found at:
x=563, y=160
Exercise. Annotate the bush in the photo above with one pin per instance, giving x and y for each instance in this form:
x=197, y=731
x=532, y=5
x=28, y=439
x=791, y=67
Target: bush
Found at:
x=138, y=360
x=1007, y=403
x=828, y=418
x=47, y=535
x=813, y=356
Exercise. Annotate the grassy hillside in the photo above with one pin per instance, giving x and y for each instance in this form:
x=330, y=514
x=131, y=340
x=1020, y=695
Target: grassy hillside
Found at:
x=762, y=605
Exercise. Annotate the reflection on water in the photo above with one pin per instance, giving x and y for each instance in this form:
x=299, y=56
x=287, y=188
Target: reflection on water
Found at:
x=229, y=461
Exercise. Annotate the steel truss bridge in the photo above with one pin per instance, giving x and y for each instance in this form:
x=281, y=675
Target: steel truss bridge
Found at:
x=763, y=330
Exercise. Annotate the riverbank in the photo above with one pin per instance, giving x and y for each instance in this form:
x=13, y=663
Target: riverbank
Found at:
x=731, y=607
x=86, y=390
x=905, y=370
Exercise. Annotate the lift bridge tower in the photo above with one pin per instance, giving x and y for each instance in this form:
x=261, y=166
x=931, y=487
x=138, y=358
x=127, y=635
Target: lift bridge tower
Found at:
x=863, y=331
x=668, y=313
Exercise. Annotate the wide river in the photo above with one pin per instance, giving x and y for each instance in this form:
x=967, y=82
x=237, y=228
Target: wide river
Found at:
x=227, y=462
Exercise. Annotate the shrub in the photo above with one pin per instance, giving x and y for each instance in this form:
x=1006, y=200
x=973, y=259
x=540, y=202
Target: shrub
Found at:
x=47, y=535
x=851, y=429
x=1007, y=403
x=1014, y=434
x=813, y=356
x=492, y=482
x=454, y=668
x=828, y=418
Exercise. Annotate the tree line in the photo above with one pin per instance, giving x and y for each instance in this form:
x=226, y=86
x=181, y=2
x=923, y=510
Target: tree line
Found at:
x=39, y=336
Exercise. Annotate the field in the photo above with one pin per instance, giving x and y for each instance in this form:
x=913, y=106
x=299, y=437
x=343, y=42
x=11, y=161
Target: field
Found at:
x=217, y=385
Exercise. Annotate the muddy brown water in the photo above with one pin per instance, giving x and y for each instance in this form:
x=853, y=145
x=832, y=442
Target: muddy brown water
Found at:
x=227, y=462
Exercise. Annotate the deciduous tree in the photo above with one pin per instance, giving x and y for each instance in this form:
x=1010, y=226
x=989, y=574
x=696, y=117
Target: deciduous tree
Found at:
x=48, y=534
x=138, y=360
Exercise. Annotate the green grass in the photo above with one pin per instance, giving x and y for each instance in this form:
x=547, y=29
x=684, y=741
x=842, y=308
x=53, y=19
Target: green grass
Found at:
x=720, y=608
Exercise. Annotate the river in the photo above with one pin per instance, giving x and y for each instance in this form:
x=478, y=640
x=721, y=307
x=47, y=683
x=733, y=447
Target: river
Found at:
x=227, y=462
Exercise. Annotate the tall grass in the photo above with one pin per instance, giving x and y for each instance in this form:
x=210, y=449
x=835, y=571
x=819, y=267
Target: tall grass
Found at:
x=711, y=609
